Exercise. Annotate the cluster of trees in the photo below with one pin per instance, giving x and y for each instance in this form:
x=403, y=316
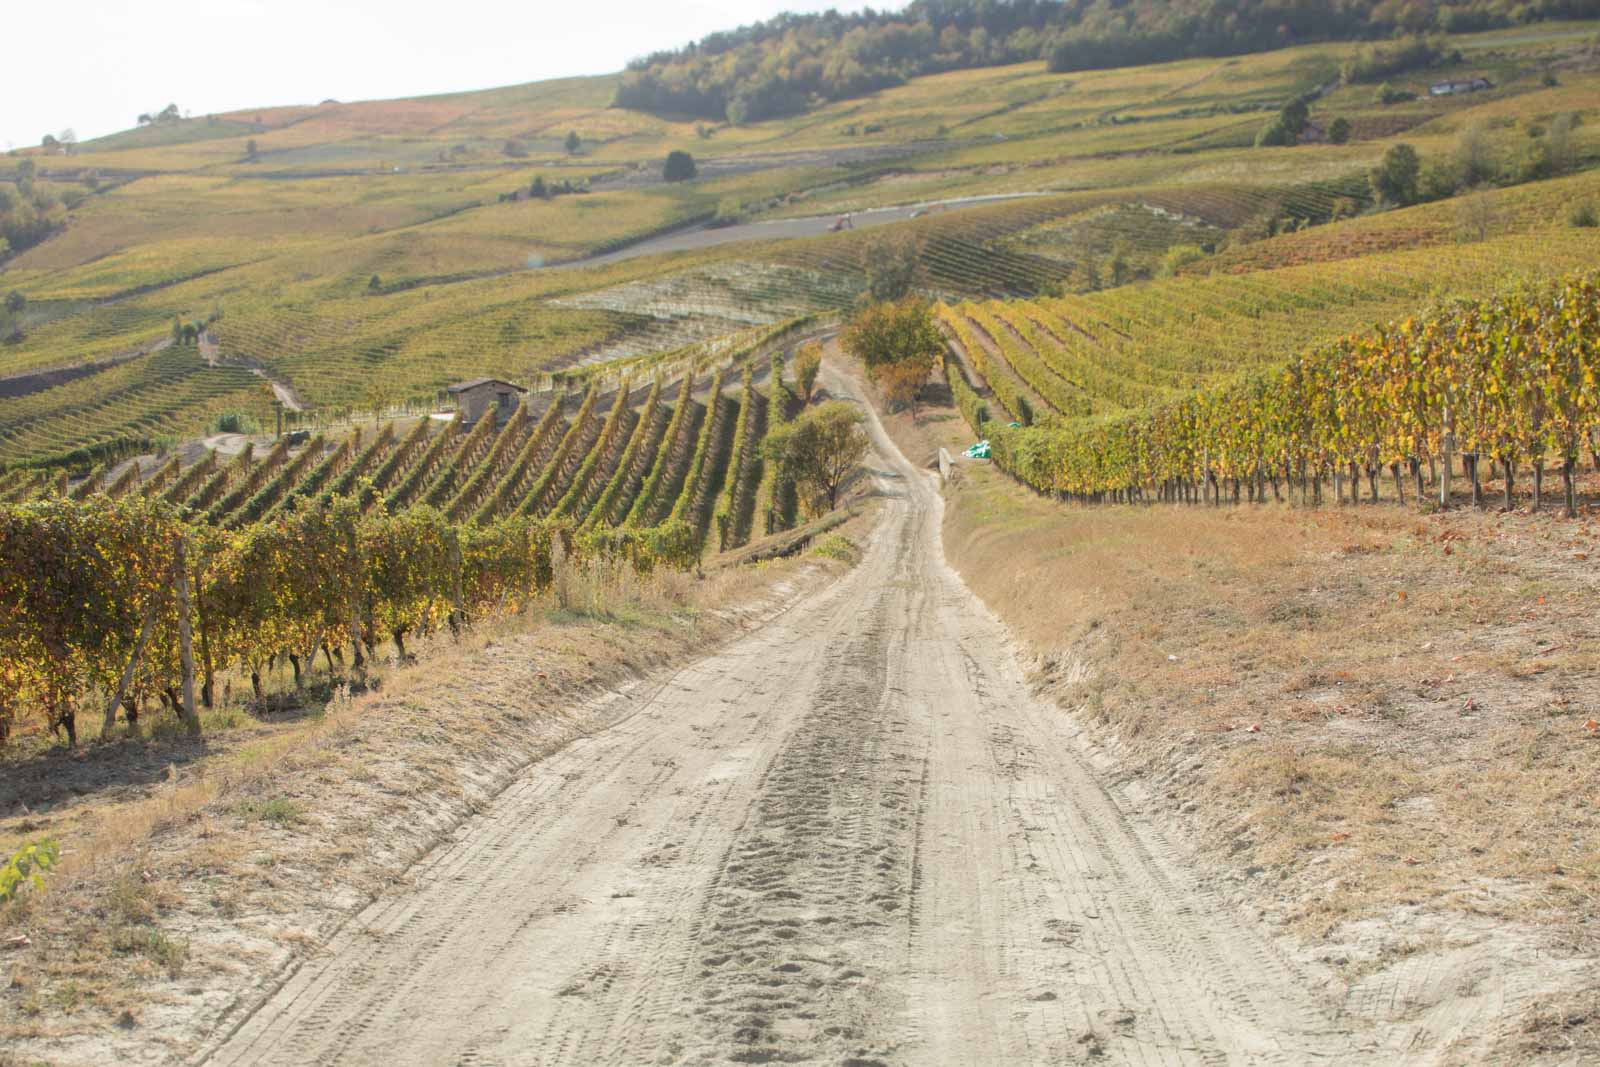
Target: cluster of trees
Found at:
x=539, y=189
x=124, y=600
x=11, y=310
x=1514, y=380
x=1402, y=177
x=166, y=115
x=786, y=64
x=28, y=212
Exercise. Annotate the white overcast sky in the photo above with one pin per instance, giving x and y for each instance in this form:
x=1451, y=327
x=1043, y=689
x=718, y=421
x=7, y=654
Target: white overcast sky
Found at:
x=94, y=65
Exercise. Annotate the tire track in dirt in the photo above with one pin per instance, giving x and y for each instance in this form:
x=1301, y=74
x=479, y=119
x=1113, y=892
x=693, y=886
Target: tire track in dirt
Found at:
x=853, y=837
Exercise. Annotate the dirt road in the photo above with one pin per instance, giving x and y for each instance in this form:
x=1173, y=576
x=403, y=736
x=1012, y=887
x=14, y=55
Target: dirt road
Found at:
x=853, y=837
x=701, y=237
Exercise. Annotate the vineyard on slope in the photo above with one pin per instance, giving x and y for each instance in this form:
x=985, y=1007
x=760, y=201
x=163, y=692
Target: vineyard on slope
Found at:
x=1513, y=379
x=338, y=544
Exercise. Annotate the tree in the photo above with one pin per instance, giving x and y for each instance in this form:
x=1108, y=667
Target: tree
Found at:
x=574, y=142
x=48, y=141
x=679, y=166
x=807, y=362
x=538, y=190
x=252, y=152
x=375, y=284
x=1288, y=126
x=15, y=302
x=1118, y=271
x=892, y=268
x=1476, y=215
x=1558, y=143
x=891, y=333
x=1394, y=181
x=1474, y=157
x=819, y=452
x=1339, y=130
x=902, y=382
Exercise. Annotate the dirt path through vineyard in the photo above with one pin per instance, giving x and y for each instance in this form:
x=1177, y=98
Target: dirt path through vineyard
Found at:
x=852, y=837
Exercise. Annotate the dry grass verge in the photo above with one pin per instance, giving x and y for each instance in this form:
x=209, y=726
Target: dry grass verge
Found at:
x=1369, y=724
x=191, y=885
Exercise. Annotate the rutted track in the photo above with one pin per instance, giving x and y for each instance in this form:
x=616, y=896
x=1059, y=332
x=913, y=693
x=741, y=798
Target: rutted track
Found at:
x=853, y=837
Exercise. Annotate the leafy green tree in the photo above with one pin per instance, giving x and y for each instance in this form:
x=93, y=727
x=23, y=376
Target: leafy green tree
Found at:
x=679, y=167
x=891, y=332
x=539, y=190
x=574, y=142
x=1286, y=129
x=375, y=284
x=1394, y=180
x=15, y=302
x=819, y=452
x=892, y=268
x=1339, y=130
x=251, y=151
x=1474, y=156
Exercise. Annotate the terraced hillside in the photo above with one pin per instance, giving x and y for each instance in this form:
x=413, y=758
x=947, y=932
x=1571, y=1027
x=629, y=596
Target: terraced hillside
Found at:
x=362, y=256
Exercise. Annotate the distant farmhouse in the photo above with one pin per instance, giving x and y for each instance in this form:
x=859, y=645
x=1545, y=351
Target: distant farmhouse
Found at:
x=486, y=396
x=1451, y=88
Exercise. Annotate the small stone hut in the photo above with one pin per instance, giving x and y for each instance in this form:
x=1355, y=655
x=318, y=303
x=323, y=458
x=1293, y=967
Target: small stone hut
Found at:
x=486, y=396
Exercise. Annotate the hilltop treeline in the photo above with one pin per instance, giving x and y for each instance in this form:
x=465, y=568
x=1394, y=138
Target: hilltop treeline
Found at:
x=791, y=62
x=28, y=213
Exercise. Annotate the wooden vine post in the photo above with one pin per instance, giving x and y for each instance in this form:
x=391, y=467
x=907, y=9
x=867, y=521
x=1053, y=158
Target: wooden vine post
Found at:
x=133, y=665
x=180, y=567
x=1448, y=446
x=353, y=607
x=457, y=615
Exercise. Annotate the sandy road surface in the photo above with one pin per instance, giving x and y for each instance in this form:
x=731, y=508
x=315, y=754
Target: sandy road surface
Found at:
x=851, y=838
x=701, y=237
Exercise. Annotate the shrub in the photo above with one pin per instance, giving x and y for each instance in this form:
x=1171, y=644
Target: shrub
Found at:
x=1339, y=130
x=1180, y=256
x=807, y=362
x=679, y=166
x=1582, y=217
x=730, y=212
x=234, y=422
x=1387, y=94
x=26, y=868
